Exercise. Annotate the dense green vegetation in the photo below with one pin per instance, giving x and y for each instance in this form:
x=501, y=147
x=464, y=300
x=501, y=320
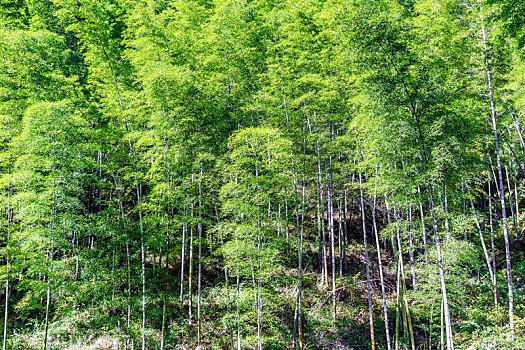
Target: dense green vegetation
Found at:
x=255, y=174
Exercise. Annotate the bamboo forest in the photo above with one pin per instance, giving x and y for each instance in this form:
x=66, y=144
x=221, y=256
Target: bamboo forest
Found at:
x=262, y=174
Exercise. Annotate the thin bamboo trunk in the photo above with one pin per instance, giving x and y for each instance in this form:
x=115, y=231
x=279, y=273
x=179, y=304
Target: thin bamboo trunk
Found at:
x=46, y=327
x=345, y=228
x=423, y=229
x=431, y=326
x=6, y=307
x=199, y=274
x=441, y=327
x=324, y=262
x=113, y=264
x=511, y=204
x=138, y=188
x=183, y=258
x=286, y=220
x=368, y=285
x=143, y=278
x=411, y=246
x=399, y=291
x=381, y=278
x=407, y=320
x=339, y=238
x=48, y=294
x=258, y=289
x=447, y=224
x=320, y=236
x=446, y=312
x=51, y=253
x=299, y=235
x=325, y=252
x=485, y=251
x=128, y=273
x=279, y=221
x=330, y=210
x=332, y=230
x=493, y=249
x=237, y=312
x=255, y=298
x=164, y=301
x=520, y=137
x=500, y=175
x=199, y=286
x=516, y=201
x=190, y=278
x=237, y=294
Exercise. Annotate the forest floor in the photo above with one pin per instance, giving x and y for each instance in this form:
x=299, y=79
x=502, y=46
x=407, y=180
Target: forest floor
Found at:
x=102, y=325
